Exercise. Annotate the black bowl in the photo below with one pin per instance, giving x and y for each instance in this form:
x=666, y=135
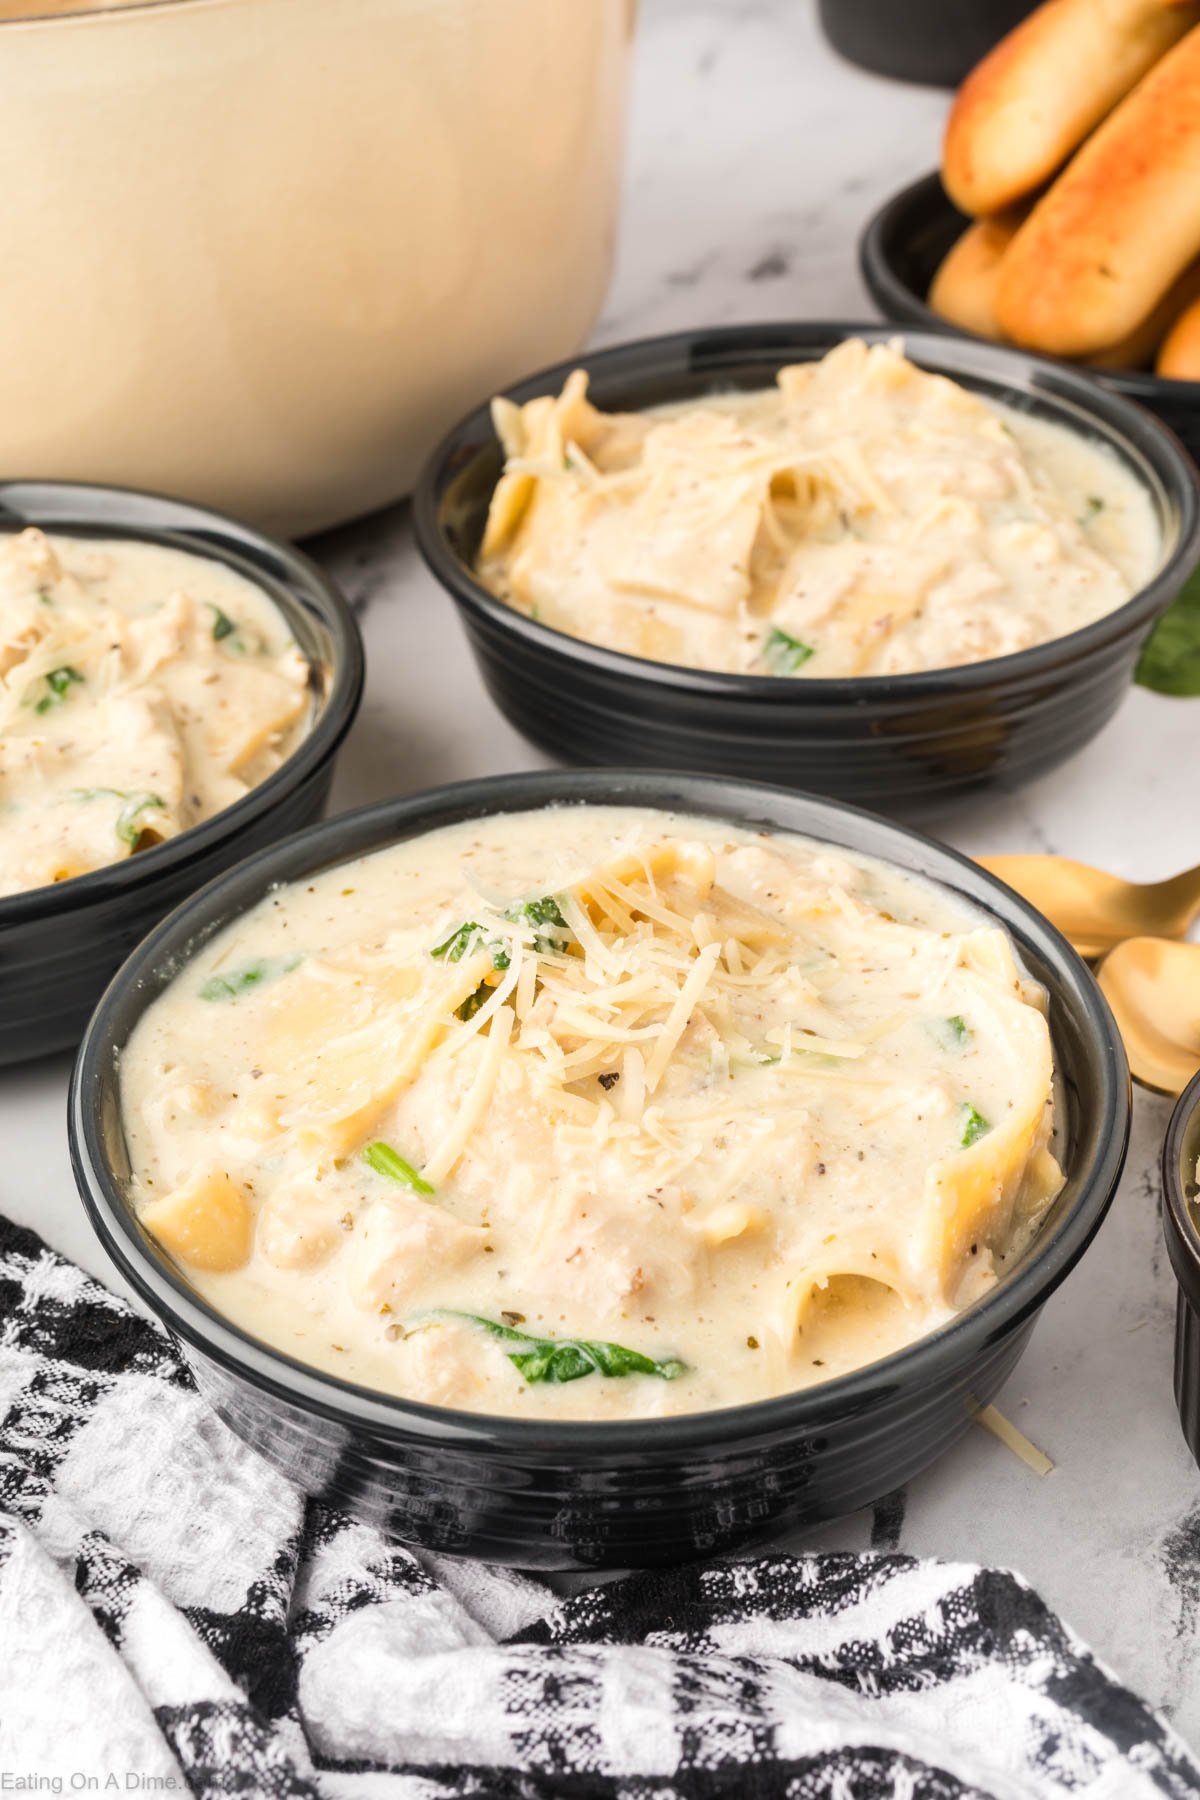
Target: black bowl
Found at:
x=1181, y=1228
x=60, y=945
x=935, y=41
x=568, y=1494
x=902, y=742
x=899, y=254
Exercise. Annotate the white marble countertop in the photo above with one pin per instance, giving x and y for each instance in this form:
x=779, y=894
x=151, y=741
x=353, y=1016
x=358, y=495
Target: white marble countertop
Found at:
x=755, y=157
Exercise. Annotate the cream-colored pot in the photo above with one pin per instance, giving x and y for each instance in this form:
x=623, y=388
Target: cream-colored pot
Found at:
x=260, y=252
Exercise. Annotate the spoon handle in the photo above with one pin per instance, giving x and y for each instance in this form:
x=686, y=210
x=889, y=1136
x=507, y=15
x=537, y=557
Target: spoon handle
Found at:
x=1094, y=909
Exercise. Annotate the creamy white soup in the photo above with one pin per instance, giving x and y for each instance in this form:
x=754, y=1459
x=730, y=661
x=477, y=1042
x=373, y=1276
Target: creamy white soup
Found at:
x=861, y=517
x=142, y=689
x=594, y=1112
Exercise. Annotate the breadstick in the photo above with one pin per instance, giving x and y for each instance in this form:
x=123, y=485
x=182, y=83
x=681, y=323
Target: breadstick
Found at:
x=1033, y=100
x=964, y=291
x=964, y=288
x=1103, y=246
x=1137, y=351
x=1179, y=356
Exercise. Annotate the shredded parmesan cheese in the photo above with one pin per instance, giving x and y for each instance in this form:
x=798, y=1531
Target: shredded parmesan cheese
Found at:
x=994, y=1421
x=477, y=1102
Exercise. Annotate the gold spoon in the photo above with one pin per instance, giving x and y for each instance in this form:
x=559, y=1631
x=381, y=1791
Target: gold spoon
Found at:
x=1153, y=987
x=1096, y=910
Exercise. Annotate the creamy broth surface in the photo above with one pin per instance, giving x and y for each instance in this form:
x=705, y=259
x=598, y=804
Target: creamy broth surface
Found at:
x=142, y=690
x=861, y=517
x=594, y=1112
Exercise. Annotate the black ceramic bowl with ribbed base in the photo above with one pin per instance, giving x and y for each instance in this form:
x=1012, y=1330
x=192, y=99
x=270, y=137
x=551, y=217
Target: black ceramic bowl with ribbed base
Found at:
x=1181, y=1227
x=59, y=945
x=903, y=743
x=899, y=254
x=566, y=1494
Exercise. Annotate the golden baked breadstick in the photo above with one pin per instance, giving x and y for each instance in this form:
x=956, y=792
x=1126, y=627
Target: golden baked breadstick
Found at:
x=1119, y=226
x=963, y=292
x=964, y=288
x=1179, y=356
x=1035, y=97
x=1138, y=350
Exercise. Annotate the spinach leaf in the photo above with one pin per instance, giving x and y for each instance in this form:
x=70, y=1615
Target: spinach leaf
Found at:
x=223, y=625
x=784, y=654
x=953, y=1033
x=250, y=975
x=468, y=937
x=473, y=1002
x=461, y=941
x=545, y=918
x=129, y=826
x=59, y=682
x=569, y=1359
x=1170, y=659
x=385, y=1161
x=974, y=1126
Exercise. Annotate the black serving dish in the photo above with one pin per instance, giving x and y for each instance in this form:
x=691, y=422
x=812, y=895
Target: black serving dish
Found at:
x=899, y=254
x=59, y=945
x=902, y=743
x=558, y=1494
x=1181, y=1227
x=934, y=41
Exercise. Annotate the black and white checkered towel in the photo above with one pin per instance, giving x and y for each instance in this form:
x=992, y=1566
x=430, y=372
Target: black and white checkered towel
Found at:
x=173, y=1615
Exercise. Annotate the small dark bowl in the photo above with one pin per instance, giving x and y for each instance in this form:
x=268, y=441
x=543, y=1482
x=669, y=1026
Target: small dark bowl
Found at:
x=899, y=254
x=902, y=742
x=1181, y=1228
x=565, y=1494
x=60, y=945
x=935, y=41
